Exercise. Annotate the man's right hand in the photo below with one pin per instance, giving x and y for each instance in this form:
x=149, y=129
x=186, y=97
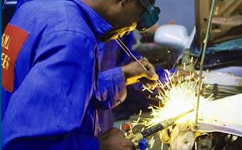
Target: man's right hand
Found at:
x=134, y=72
x=114, y=140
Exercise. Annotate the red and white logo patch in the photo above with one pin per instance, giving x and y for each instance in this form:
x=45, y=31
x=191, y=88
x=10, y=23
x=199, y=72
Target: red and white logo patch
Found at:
x=12, y=41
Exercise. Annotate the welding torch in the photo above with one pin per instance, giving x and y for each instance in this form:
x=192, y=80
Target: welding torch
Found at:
x=156, y=128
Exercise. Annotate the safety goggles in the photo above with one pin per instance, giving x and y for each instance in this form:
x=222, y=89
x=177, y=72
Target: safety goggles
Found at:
x=150, y=16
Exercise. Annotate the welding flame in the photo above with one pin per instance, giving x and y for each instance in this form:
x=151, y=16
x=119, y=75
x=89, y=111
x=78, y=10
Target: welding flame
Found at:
x=179, y=98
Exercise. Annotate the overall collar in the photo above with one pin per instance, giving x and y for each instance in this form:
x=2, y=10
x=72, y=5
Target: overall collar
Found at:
x=97, y=24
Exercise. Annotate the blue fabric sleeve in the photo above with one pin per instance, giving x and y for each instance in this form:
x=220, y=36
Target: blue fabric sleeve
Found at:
x=50, y=104
x=67, y=142
x=112, y=87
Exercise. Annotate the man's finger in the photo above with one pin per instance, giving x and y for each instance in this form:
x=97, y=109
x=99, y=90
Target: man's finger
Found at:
x=151, y=75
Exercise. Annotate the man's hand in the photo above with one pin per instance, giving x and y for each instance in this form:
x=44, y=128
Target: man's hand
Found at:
x=134, y=73
x=114, y=140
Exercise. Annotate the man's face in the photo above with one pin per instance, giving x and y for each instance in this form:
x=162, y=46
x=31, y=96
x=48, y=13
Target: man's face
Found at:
x=129, y=15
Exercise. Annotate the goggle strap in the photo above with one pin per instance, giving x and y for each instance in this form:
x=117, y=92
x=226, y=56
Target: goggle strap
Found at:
x=146, y=4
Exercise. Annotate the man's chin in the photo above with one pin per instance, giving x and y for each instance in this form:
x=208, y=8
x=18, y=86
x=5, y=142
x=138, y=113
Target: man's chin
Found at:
x=112, y=34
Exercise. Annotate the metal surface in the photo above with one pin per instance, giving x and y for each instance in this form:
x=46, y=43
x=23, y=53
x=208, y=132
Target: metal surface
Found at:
x=222, y=115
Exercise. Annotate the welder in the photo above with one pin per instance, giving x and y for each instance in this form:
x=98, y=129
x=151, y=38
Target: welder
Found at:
x=50, y=80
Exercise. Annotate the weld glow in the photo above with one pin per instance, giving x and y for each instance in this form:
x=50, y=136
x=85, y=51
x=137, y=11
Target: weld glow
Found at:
x=179, y=98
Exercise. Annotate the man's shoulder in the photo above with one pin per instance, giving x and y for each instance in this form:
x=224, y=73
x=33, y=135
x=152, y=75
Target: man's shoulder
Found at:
x=52, y=16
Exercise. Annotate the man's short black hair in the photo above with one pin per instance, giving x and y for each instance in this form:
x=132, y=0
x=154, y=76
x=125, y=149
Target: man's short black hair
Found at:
x=152, y=2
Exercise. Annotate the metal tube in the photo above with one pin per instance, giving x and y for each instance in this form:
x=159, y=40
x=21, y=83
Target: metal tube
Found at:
x=154, y=129
x=202, y=60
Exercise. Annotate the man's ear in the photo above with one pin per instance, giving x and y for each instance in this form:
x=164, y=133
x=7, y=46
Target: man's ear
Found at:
x=124, y=2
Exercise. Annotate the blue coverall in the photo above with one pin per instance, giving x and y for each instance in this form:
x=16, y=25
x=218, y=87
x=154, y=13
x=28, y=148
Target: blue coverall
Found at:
x=52, y=87
x=111, y=55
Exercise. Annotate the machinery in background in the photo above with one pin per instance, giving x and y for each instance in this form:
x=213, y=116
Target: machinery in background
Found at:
x=223, y=60
x=222, y=70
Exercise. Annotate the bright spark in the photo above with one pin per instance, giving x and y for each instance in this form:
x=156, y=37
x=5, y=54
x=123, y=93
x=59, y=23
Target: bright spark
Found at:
x=179, y=98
